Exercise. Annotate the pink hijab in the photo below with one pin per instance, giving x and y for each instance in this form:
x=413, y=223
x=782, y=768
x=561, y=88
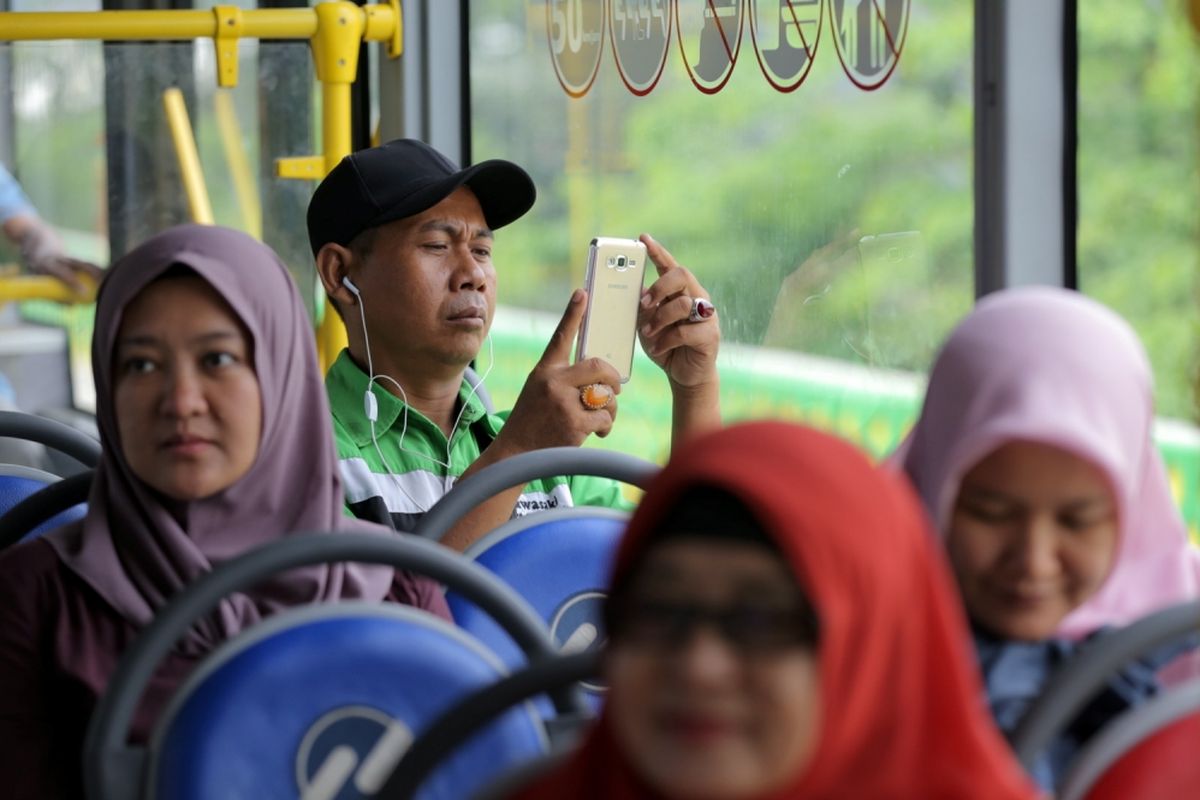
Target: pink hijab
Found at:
x=130, y=548
x=1051, y=366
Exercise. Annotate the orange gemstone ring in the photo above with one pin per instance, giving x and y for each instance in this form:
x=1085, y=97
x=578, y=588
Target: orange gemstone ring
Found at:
x=595, y=396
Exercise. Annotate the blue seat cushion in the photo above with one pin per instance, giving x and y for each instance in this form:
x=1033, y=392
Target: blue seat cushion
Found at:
x=560, y=562
x=320, y=702
x=18, y=483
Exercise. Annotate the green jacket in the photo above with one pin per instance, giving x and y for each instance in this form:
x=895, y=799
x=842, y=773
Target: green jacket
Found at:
x=397, y=473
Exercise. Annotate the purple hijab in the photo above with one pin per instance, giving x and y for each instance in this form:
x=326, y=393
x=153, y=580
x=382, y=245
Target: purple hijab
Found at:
x=129, y=547
x=1052, y=366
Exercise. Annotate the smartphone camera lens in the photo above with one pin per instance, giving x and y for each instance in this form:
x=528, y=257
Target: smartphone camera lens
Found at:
x=620, y=262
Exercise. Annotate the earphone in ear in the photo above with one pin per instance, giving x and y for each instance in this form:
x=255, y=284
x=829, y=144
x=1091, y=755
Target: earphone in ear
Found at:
x=349, y=284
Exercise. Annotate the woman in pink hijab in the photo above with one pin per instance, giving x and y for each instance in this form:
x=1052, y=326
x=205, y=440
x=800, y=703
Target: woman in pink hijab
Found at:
x=1035, y=458
x=216, y=439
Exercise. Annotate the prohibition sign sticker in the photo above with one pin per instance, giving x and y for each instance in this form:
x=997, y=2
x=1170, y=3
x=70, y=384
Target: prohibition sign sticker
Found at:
x=710, y=35
x=785, y=35
x=349, y=751
x=869, y=37
x=578, y=627
x=575, y=29
x=641, y=35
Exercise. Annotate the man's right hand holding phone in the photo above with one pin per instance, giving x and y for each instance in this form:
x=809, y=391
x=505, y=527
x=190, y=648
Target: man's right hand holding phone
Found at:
x=550, y=412
x=562, y=403
x=553, y=407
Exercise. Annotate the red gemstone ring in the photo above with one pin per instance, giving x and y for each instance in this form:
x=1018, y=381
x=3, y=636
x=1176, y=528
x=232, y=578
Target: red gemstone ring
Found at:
x=701, y=310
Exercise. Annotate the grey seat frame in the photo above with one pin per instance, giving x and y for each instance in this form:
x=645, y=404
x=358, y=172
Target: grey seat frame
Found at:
x=521, y=469
x=521, y=524
x=1126, y=732
x=457, y=723
x=51, y=433
x=1072, y=686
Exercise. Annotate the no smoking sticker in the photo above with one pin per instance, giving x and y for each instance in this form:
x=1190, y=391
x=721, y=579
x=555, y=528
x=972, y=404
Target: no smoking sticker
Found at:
x=869, y=36
x=710, y=35
x=785, y=35
x=641, y=35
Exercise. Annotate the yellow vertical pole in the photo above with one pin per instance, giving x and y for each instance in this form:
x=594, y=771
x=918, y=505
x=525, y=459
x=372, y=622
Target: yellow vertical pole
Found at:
x=335, y=122
x=189, y=159
x=239, y=166
x=335, y=56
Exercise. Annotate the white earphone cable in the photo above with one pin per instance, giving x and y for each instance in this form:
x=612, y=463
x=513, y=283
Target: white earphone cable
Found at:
x=371, y=406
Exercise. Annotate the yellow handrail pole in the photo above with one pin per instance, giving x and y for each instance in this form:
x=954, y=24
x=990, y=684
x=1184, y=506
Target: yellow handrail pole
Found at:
x=43, y=287
x=335, y=57
x=189, y=159
x=239, y=165
x=271, y=23
x=376, y=23
x=335, y=122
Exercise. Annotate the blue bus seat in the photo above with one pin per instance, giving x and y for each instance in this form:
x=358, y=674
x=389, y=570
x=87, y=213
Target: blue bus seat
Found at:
x=559, y=561
x=19, y=482
x=320, y=703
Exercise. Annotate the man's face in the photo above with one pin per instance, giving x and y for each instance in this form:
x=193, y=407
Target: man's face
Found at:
x=428, y=286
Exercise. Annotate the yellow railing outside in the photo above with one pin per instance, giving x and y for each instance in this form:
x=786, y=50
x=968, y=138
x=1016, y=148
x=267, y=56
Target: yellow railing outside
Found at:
x=239, y=166
x=334, y=29
x=189, y=159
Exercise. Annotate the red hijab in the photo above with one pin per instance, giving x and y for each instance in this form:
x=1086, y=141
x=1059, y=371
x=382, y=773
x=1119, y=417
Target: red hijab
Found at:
x=902, y=711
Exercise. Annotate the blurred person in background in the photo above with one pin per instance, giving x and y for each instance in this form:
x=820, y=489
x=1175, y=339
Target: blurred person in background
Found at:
x=1034, y=455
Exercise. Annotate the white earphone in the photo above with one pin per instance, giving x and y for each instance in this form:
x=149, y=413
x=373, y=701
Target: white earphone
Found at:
x=349, y=284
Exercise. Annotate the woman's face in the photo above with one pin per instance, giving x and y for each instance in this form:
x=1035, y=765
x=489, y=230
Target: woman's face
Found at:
x=1033, y=535
x=188, y=406
x=714, y=680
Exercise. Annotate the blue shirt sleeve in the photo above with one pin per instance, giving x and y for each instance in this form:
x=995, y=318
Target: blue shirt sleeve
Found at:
x=13, y=201
x=1014, y=674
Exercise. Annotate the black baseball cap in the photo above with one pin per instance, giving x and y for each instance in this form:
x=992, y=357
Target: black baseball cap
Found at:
x=405, y=177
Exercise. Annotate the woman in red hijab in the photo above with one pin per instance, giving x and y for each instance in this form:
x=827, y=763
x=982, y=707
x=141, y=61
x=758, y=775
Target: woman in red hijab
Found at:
x=781, y=626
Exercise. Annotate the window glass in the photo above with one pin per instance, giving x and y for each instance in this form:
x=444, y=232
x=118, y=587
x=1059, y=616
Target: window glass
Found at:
x=811, y=162
x=1138, y=191
x=83, y=110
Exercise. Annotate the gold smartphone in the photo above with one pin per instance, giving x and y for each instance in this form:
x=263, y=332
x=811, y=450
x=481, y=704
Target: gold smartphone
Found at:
x=615, y=269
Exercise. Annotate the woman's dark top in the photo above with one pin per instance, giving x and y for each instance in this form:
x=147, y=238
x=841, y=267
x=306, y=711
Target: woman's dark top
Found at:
x=1014, y=674
x=59, y=643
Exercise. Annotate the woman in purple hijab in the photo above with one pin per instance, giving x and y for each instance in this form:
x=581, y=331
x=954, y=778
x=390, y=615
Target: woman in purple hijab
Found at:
x=216, y=439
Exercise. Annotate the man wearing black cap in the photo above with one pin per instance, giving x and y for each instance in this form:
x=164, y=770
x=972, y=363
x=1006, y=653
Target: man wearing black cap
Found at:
x=403, y=241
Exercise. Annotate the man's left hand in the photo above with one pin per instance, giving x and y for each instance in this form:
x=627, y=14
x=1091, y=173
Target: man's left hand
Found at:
x=682, y=344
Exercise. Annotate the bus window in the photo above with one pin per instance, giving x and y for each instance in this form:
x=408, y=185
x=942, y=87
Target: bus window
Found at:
x=1139, y=69
x=810, y=161
x=96, y=155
